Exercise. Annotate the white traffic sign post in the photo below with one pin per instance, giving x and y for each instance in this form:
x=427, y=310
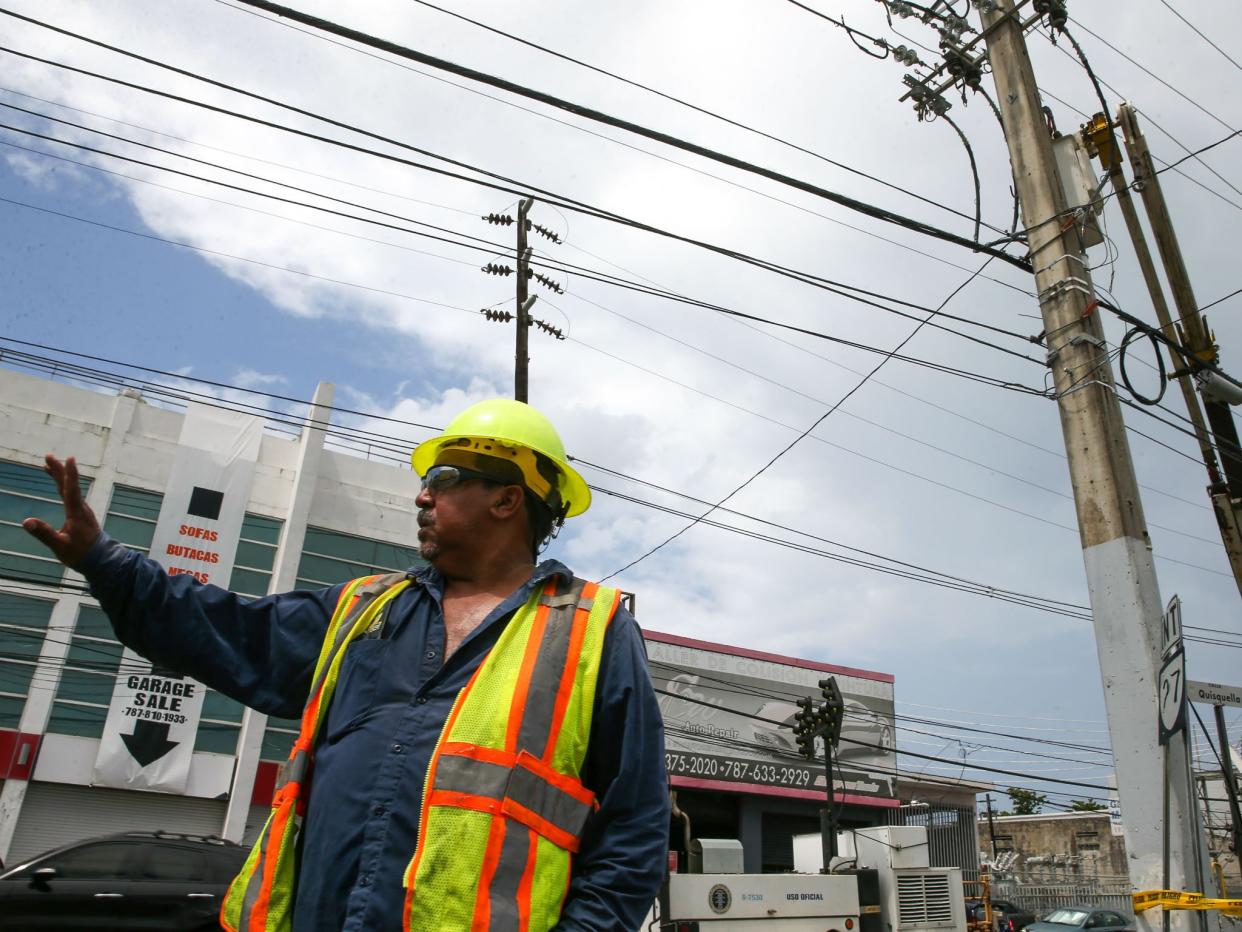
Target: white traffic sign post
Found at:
x=1172, y=673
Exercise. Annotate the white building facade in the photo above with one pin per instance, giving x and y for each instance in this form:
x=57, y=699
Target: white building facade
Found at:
x=314, y=517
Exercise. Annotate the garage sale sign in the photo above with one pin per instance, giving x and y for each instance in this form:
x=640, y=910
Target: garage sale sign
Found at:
x=153, y=719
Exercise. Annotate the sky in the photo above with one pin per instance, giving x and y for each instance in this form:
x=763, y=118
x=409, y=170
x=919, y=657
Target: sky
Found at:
x=961, y=472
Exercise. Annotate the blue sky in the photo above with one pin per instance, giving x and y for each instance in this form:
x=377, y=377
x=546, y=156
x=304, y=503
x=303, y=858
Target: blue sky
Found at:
x=919, y=466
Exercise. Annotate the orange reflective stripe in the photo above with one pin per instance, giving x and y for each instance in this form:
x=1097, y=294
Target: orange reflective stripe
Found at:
x=491, y=858
x=522, y=687
x=569, y=674
x=258, y=915
x=570, y=786
x=558, y=836
x=477, y=752
x=460, y=800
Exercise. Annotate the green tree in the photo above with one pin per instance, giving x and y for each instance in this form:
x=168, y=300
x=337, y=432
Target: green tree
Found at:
x=1086, y=805
x=1027, y=802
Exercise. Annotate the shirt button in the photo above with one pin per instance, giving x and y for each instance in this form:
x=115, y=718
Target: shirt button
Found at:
x=421, y=700
x=380, y=810
x=431, y=655
x=364, y=881
x=398, y=748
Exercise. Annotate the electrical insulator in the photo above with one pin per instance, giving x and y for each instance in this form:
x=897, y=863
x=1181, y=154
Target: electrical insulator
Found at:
x=548, y=328
x=502, y=317
x=905, y=55
x=495, y=268
x=900, y=9
x=1055, y=11
x=545, y=232
x=502, y=220
x=548, y=283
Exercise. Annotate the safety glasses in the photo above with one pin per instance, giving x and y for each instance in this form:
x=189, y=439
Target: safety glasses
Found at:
x=439, y=478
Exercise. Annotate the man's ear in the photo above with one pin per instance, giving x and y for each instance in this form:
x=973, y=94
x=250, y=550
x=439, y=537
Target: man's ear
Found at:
x=509, y=501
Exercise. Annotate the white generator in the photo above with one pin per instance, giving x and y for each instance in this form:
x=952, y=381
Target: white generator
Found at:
x=913, y=896
x=767, y=902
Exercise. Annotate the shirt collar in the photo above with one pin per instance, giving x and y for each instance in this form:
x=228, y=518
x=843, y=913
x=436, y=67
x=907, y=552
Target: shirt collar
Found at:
x=429, y=578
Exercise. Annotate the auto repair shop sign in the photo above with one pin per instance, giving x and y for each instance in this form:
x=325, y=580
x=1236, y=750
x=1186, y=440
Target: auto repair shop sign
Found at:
x=153, y=719
x=729, y=714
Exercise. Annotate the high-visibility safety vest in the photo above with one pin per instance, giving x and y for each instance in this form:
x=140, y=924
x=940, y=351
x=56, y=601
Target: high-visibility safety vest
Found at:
x=502, y=808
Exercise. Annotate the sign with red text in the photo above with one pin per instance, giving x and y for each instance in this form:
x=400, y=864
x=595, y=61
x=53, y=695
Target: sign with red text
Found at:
x=729, y=716
x=153, y=719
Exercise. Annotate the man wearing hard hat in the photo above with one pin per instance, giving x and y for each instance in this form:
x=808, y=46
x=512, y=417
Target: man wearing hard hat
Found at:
x=480, y=746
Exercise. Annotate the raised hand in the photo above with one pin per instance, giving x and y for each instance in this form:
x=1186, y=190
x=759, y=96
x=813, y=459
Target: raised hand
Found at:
x=81, y=528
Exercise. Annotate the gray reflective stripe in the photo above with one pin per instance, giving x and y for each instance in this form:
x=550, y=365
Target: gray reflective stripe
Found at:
x=457, y=774
x=465, y=775
x=532, y=792
x=562, y=601
x=294, y=770
x=545, y=680
x=503, y=893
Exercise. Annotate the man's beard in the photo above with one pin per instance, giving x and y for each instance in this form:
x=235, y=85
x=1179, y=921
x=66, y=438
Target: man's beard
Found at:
x=427, y=549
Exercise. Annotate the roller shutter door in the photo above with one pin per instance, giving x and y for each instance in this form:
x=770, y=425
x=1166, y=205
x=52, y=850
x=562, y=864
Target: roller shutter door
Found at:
x=55, y=814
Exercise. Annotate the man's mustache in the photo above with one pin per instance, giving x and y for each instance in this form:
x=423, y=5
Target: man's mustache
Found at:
x=425, y=518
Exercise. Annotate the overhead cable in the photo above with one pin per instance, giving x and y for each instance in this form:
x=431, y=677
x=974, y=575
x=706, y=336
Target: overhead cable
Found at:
x=600, y=117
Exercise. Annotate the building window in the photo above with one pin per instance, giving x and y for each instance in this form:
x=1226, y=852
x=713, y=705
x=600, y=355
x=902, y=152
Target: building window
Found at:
x=330, y=557
x=1087, y=841
x=28, y=492
x=132, y=515
x=23, y=625
x=1003, y=842
x=256, y=554
x=87, y=678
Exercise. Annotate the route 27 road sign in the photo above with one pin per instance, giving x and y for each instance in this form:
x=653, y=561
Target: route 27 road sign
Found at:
x=1172, y=689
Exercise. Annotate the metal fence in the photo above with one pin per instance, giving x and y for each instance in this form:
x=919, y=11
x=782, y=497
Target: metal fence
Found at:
x=951, y=835
x=1039, y=898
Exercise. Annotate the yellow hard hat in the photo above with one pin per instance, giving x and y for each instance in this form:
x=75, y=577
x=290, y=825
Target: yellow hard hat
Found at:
x=513, y=432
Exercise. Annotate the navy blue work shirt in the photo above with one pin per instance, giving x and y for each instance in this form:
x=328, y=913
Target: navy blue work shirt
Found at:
x=392, y=699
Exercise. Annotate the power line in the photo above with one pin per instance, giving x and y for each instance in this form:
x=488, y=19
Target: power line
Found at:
x=823, y=417
x=1156, y=77
x=691, y=106
x=553, y=199
x=939, y=367
x=1201, y=34
x=600, y=117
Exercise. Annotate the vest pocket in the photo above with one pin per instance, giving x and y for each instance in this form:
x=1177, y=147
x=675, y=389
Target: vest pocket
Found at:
x=355, y=689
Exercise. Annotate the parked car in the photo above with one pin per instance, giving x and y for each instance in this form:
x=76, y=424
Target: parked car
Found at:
x=1065, y=918
x=1006, y=917
x=132, y=880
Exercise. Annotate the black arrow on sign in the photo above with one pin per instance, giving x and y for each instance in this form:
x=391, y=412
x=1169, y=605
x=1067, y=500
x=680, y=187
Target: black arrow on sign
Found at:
x=149, y=742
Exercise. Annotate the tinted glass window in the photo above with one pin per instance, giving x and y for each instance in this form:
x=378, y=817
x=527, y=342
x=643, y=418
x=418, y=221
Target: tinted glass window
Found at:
x=225, y=863
x=173, y=863
x=94, y=862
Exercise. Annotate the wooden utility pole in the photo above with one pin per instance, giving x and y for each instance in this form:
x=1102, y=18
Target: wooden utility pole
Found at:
x=1099, y=136
x=1121, y=578
x=521, y=358
x=1190, y=331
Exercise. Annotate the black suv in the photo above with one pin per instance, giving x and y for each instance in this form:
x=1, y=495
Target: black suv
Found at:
x=134, y=880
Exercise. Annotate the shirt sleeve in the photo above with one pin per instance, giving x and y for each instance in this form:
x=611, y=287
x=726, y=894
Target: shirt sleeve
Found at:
x=261, y=652
x=621, y=863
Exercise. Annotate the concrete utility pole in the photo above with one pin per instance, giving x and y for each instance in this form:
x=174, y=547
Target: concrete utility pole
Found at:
x=1121, y=578
x=1192, y=332
x=521, y=354
x=1099, y=136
